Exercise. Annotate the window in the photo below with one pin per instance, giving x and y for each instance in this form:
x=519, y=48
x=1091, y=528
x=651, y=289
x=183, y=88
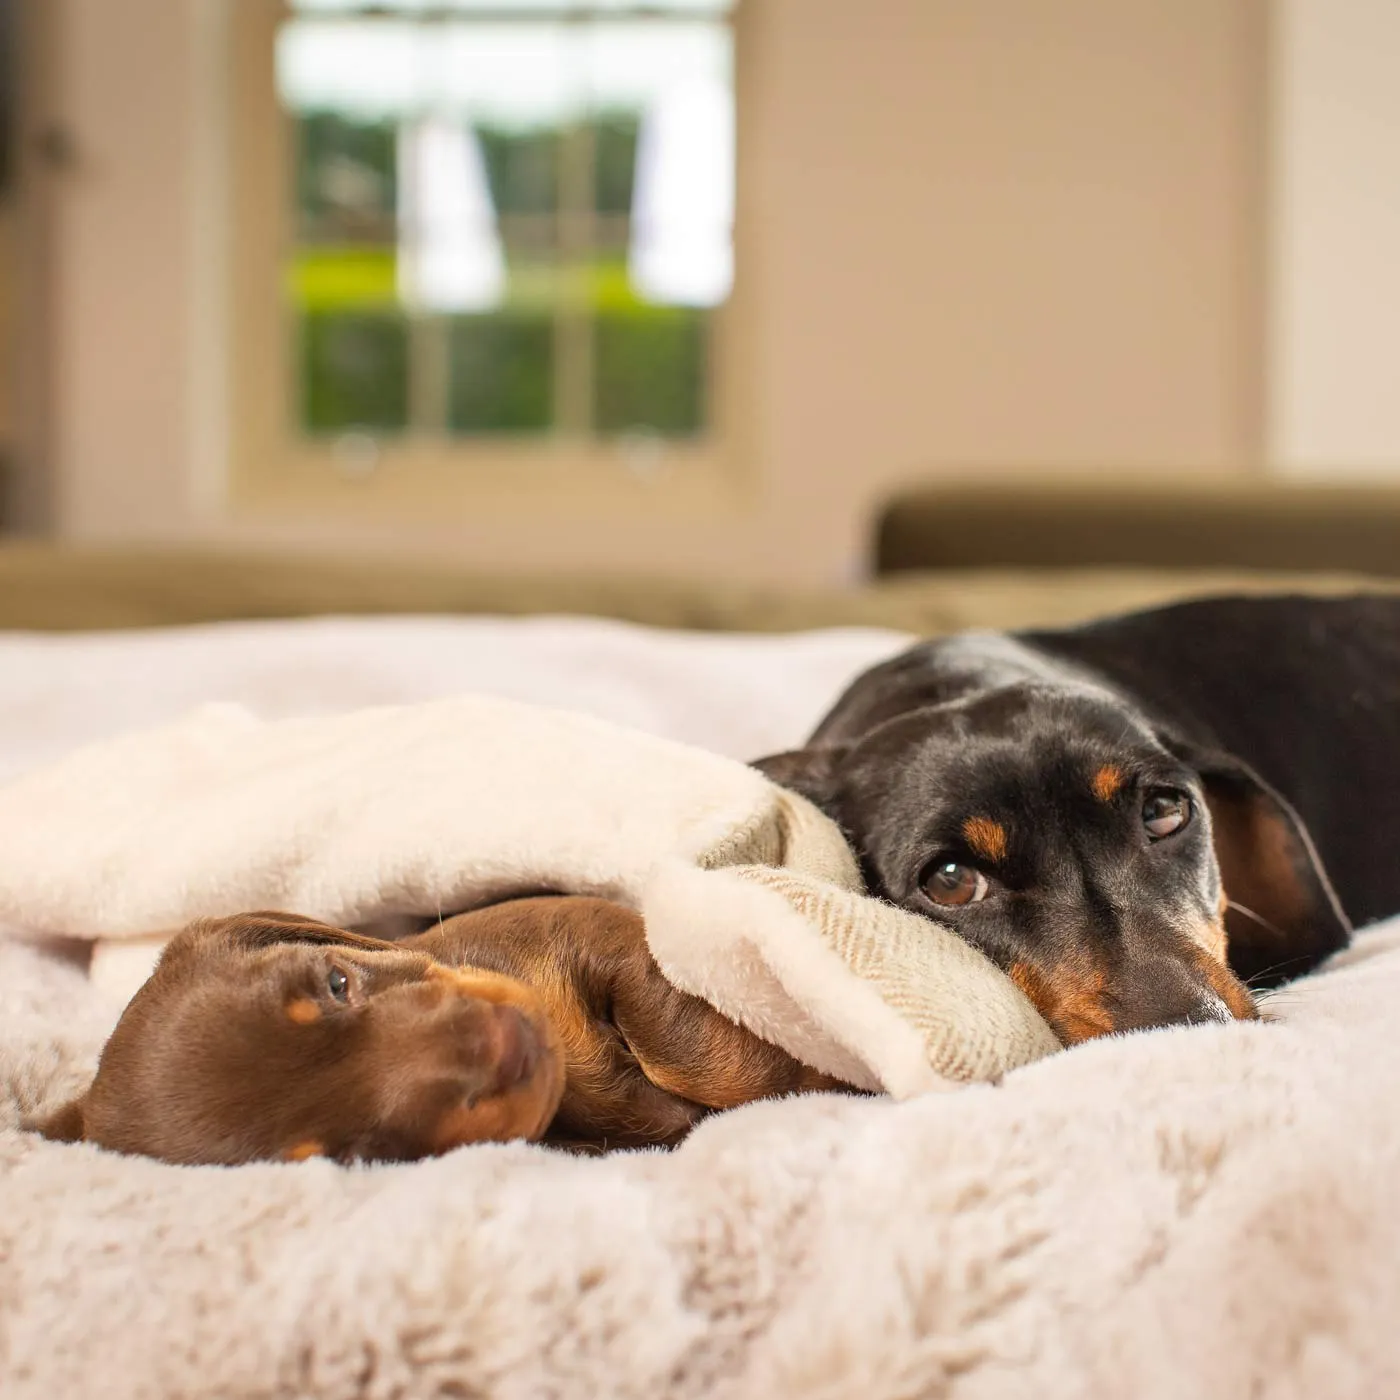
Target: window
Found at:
x=503, y=224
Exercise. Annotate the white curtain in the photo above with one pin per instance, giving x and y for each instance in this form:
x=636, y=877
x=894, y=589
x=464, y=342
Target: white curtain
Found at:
x=449, y=247
x=682, y=244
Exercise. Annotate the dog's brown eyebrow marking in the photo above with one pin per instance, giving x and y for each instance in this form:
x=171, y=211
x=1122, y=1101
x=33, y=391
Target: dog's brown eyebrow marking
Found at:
x=302, y=1150
x=1107, y=781
x=986, y=837
x=303, y=1011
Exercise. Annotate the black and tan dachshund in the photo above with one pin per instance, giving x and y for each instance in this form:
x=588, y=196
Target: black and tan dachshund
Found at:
x=1140, y=820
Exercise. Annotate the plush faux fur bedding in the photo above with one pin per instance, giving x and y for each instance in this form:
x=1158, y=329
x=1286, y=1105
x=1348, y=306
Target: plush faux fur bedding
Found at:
x=1203, y=1212
x=1211, y=1211
x=737, y=694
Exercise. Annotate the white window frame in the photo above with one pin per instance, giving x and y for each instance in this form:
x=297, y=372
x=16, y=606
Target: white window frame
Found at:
x=273, y=468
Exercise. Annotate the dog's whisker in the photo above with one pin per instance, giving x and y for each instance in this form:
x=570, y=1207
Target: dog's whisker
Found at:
x=1275, y=1003
x=1272, y=967
x=1253, y=980
x=1250, y=914
x=1278, y=933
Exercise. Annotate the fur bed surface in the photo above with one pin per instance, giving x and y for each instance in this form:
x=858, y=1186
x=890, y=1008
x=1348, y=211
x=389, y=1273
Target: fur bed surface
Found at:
x=1205, y=1212
x=1211, y=1211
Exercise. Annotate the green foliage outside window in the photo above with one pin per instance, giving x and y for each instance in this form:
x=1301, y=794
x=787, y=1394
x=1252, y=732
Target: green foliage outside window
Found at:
x=649, y=361
x=354, y=371
x=501, y=373
x=346, y=171
x=649, y=370
x=522, y=169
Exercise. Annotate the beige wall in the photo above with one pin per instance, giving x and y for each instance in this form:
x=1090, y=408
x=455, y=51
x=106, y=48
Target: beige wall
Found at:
x=122, y=266
x=1336, y=237
x=978, y=235
x=1006, y=233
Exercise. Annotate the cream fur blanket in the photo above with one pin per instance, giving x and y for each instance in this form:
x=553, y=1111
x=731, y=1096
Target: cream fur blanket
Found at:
x=1212, y=1212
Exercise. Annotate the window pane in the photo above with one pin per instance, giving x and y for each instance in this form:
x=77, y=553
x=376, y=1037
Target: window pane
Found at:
x=522, y=223
x=502, y=373
x=522, y=168
x=615, y=161
x=347, y=177
x=354, y=371
x=649, y=365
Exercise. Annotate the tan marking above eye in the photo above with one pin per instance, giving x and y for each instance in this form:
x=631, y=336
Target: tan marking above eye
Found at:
x=301, y=1151
x=303, y=1011
x=1107, y=782
x=986, y=837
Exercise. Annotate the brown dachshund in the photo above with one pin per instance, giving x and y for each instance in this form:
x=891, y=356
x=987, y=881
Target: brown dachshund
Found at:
x=268, y=1036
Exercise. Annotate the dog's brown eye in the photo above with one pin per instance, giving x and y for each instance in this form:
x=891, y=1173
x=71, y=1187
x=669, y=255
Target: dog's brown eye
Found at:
x=339, y=984
x=1165, y=813
x=947, y=882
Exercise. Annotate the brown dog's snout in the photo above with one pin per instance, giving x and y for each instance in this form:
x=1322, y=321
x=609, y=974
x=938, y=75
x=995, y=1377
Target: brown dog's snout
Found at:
x=462, y=1014
x=496, y=1045
x=481, y=1051
x=512, y=1047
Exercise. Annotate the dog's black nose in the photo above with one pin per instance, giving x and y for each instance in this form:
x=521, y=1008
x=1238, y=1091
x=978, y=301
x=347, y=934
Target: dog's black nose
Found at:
x=1207, y=1009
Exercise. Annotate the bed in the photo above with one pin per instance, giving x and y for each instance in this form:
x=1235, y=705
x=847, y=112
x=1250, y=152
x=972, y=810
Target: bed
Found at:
x=1206, y=1212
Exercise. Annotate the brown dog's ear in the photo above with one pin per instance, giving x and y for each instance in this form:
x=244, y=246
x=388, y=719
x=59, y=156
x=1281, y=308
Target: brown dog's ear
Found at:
x=811, y=773
x=265, y=927
x=1283, y=916
x=65, y=1124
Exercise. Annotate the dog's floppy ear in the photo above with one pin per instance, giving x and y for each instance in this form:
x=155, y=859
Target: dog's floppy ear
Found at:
x=63, y=1125
x=812, y=773
x=1283, y=916
x=265, y=927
